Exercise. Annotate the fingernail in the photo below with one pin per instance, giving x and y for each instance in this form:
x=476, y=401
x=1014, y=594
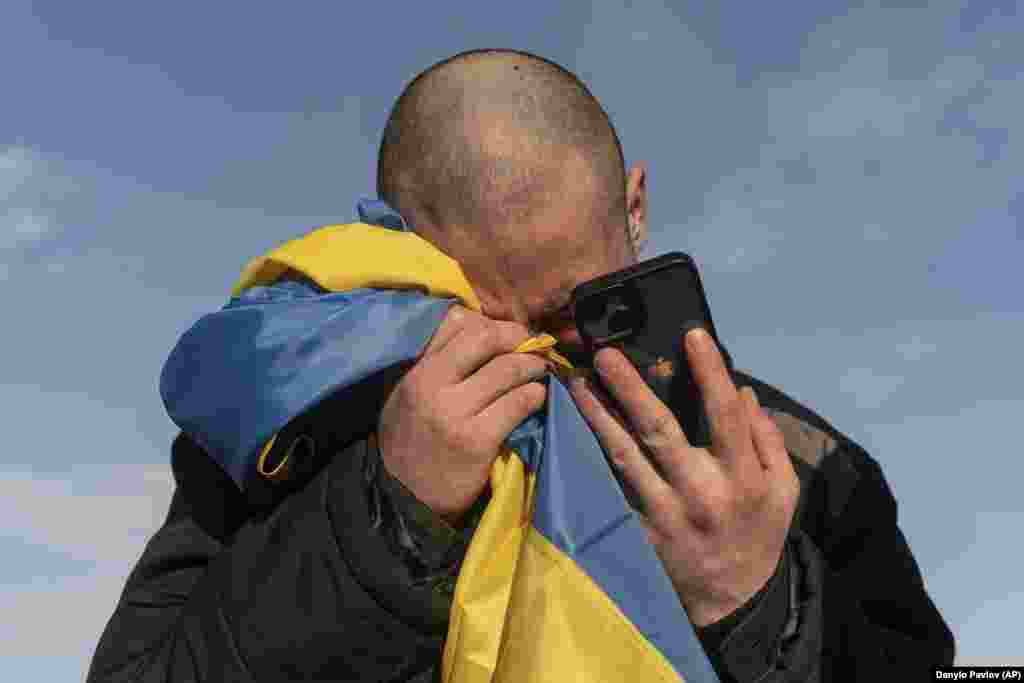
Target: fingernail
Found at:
x=753, y=395
x=697, y=339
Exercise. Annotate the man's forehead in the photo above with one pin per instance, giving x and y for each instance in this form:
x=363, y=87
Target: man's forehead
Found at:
x=532, y=271
x=557, y=300
x=537, y=299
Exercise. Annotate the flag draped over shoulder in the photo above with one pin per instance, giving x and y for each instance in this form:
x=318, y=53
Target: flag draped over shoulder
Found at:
x=559, y=582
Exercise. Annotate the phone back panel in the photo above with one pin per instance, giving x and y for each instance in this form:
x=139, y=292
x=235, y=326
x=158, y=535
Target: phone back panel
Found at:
x=657, y=301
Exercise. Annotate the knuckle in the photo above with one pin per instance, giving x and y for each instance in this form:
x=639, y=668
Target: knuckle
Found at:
x=662, y=507
x=621, y=454
x=512, y=333
x=712, y=504
x=455, y=313
x=535, y=393
x=525, y=397
x=533, y=365
x=777, y=434
x=409, y=388
x=662, y=430
x=517, y=369
x=468, y=316
x=752, y=498
x=770, y=429
x=489, y=336
x=734, y=410
x=460, y=438
x=523, y=365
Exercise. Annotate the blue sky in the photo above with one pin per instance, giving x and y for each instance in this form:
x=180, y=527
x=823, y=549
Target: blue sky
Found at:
x=848, y=179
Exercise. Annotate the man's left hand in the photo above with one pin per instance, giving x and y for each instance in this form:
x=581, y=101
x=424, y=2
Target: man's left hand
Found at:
x=719, y=516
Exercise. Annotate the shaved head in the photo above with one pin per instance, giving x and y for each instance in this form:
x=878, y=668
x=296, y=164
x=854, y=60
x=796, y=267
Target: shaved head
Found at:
x=507, y=163
x=490, y=138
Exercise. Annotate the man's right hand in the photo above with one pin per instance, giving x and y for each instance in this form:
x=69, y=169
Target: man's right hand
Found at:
x=442, y=426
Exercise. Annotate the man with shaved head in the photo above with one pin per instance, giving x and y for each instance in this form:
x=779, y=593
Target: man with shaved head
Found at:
x=780, y=539
x=508, y=164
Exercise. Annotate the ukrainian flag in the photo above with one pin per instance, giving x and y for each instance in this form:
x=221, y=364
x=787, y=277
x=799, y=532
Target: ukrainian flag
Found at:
x=559, y=582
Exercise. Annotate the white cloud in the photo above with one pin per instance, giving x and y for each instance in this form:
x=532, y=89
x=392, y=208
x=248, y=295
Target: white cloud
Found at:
x=23, y=221
x=811, y=188
x=28, y=226
x=104, y=514
x=873, y=232
x=751, y=239
x=847, y=160
x=852, y=111
x=977, y=616
x=867, y=387
x=89, y=513
x=16, y=168
x=915, y=348
x=49, y=222
x=30, y=191
x=1001, y=107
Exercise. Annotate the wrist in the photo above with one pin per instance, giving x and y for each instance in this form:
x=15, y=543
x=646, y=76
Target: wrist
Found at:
x=717, y=609
x=447, y=503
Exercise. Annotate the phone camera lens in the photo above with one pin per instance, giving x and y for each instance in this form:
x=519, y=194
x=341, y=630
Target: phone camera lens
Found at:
x=615, y=316
x=619, y=315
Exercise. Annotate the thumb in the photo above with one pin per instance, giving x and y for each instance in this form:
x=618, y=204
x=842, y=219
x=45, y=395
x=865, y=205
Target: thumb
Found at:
x=652, y=534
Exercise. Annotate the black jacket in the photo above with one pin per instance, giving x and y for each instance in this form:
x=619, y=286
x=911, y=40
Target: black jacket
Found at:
x=340, y=574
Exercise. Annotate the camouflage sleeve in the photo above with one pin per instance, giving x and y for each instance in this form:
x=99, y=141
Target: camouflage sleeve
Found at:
x=430, y=547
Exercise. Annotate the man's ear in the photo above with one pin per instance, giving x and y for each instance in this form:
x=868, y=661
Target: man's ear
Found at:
x=636, y=205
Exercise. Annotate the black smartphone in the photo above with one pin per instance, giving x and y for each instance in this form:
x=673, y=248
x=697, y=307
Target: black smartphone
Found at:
x=645, y=311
